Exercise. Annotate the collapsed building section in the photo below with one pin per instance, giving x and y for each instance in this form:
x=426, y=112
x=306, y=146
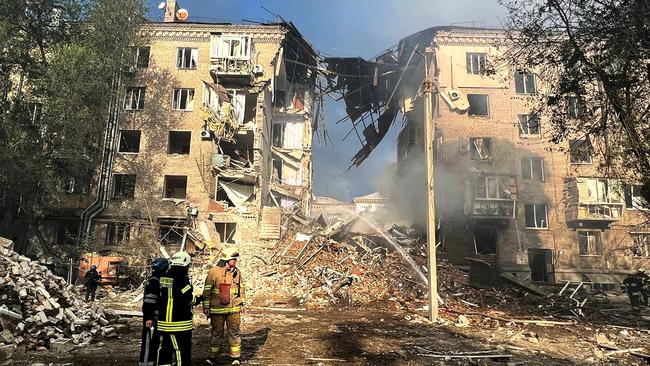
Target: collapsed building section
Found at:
x=213, y=137
x=505, y=194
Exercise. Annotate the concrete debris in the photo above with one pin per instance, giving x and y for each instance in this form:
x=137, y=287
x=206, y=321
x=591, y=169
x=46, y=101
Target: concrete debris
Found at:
x=41, y=311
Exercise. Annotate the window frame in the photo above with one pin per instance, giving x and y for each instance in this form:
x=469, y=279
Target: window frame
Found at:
x=524, y=81
x=119, y=232
x=122, y=176
x=645, y=244
x=572, y=147
x=131, y=94
x=138, y=59
x=176, y=104
x=178, y=133
x=531, y=171
x=628, y=192
x=598, y=246
x=474, y=153
x=193, y=60
x=498, y=180
x=528, y=118
x=218, y=41
x=119, y=142
x=534, y=208
x=165, y=177
x=481, y=61
x=496, y=240
x=487, y=106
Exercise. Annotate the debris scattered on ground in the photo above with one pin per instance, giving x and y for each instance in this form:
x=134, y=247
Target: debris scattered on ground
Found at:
x=40, y=311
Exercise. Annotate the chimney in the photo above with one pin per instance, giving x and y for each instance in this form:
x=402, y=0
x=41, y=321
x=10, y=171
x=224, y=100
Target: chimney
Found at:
x=170, y=11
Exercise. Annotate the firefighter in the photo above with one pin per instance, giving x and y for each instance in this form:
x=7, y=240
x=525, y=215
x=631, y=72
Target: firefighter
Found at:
x=223, y=295
x=175, y=312
x=633, y=285
x=92, y=278
x=644, y=279
x=149, y=346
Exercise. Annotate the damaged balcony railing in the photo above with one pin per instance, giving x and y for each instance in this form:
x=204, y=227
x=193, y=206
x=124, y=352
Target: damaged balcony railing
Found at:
x=231, y=66
x=492, y=208
x=594, y=211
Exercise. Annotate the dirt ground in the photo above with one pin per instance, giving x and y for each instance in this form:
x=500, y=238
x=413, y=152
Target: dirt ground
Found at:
x=365, y=336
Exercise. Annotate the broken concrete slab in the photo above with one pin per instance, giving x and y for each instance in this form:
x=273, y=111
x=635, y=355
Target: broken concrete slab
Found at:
x=62, y=345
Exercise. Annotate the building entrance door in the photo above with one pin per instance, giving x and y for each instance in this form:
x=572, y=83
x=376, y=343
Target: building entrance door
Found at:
x=541, y=264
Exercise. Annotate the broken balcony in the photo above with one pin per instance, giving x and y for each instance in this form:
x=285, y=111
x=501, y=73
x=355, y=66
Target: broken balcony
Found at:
x=491, y=198
x=230, y=58
x=593, y=200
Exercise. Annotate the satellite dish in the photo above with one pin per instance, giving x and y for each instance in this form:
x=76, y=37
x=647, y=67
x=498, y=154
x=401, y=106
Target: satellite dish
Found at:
x=162, y=5
x=182, y=14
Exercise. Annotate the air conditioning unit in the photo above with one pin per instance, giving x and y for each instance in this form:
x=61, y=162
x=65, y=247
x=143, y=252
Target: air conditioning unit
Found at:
x=454, y=95
x=205, y=135
x=258, y=70
x=192, y=211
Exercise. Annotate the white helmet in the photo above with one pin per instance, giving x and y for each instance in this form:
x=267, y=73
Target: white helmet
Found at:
x=229, y=253
x=181, y=259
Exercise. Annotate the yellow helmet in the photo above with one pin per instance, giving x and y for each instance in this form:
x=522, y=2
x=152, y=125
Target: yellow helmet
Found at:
x=229, y=253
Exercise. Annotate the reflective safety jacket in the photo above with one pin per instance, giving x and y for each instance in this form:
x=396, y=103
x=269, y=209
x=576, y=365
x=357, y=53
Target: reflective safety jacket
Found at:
x=150, y=301
x=175, y=305
x=223, y=290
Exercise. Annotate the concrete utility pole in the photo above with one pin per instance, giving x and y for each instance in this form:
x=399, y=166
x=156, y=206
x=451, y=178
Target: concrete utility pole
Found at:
x=429, y=135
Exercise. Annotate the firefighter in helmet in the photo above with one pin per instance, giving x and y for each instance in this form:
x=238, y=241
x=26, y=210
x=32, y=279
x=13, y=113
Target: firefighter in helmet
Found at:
x=175, y=312
x=149, y=345
x=223, y=295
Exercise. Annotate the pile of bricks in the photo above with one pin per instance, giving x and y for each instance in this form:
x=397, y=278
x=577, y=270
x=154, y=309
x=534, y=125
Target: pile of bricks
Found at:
x=40, y=311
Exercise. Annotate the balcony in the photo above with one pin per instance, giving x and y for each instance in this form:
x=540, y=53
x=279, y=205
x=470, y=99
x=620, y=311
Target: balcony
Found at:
x=594, y=211
x=592, y=200
x=230, y=67
x=483, y=208
x=231, y=58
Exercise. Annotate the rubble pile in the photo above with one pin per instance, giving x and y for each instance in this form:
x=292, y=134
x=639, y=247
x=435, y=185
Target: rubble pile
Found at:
x=308, y=267
x=40, y=311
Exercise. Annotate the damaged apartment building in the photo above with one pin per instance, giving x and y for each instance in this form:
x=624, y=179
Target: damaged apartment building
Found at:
x=505, y=195
x=212, y=136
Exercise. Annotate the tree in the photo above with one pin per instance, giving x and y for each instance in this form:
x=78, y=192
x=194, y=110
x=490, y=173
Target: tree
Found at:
x=58, y=63
x=593, y=58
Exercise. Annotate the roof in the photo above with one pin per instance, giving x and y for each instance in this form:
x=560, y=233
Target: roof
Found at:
x=372, y=196
x=322, y=200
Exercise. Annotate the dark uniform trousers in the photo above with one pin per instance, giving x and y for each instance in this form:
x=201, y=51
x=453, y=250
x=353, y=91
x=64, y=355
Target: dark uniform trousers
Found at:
x=176, y=345
x=154, y=342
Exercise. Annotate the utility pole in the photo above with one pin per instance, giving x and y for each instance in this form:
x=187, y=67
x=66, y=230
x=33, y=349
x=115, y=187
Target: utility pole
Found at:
x=429, y=134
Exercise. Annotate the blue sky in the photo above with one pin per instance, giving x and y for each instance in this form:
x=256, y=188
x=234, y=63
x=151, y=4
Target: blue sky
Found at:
x=350, y=28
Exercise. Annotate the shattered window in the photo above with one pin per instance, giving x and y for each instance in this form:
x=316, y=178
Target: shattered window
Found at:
x=480, y=148
x=68, y=185
x=142, y=56
x=277, y=170
x=231, y=47
x=117, y=232
x=525, y=83
x=529, y=125
x=171, y=231
x=575, y=107
x=123, y=185
x=485, y=240
x=277, y=134
x=536, y=216
x=478, y=105
x=492, y=187
x=134, y=99
x=175, y=186
x=129, y=141
x=475, y=63
x=179, y=142
x=532, y=169
x=226, y=231
x=580, y=151
x=633, y=197
x=186, y=58
x=183, y=99
x=641, y=245
x=590, y=243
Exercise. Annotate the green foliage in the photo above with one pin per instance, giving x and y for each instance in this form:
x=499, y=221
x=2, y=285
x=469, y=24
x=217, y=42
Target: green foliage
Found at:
x=62, y=55
x=595, y=53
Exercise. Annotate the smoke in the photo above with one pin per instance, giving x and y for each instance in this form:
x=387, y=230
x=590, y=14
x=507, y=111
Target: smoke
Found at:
x=405, y=186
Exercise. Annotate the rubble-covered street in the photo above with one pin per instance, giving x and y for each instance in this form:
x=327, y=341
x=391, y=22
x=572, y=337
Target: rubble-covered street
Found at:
x=316, y=300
